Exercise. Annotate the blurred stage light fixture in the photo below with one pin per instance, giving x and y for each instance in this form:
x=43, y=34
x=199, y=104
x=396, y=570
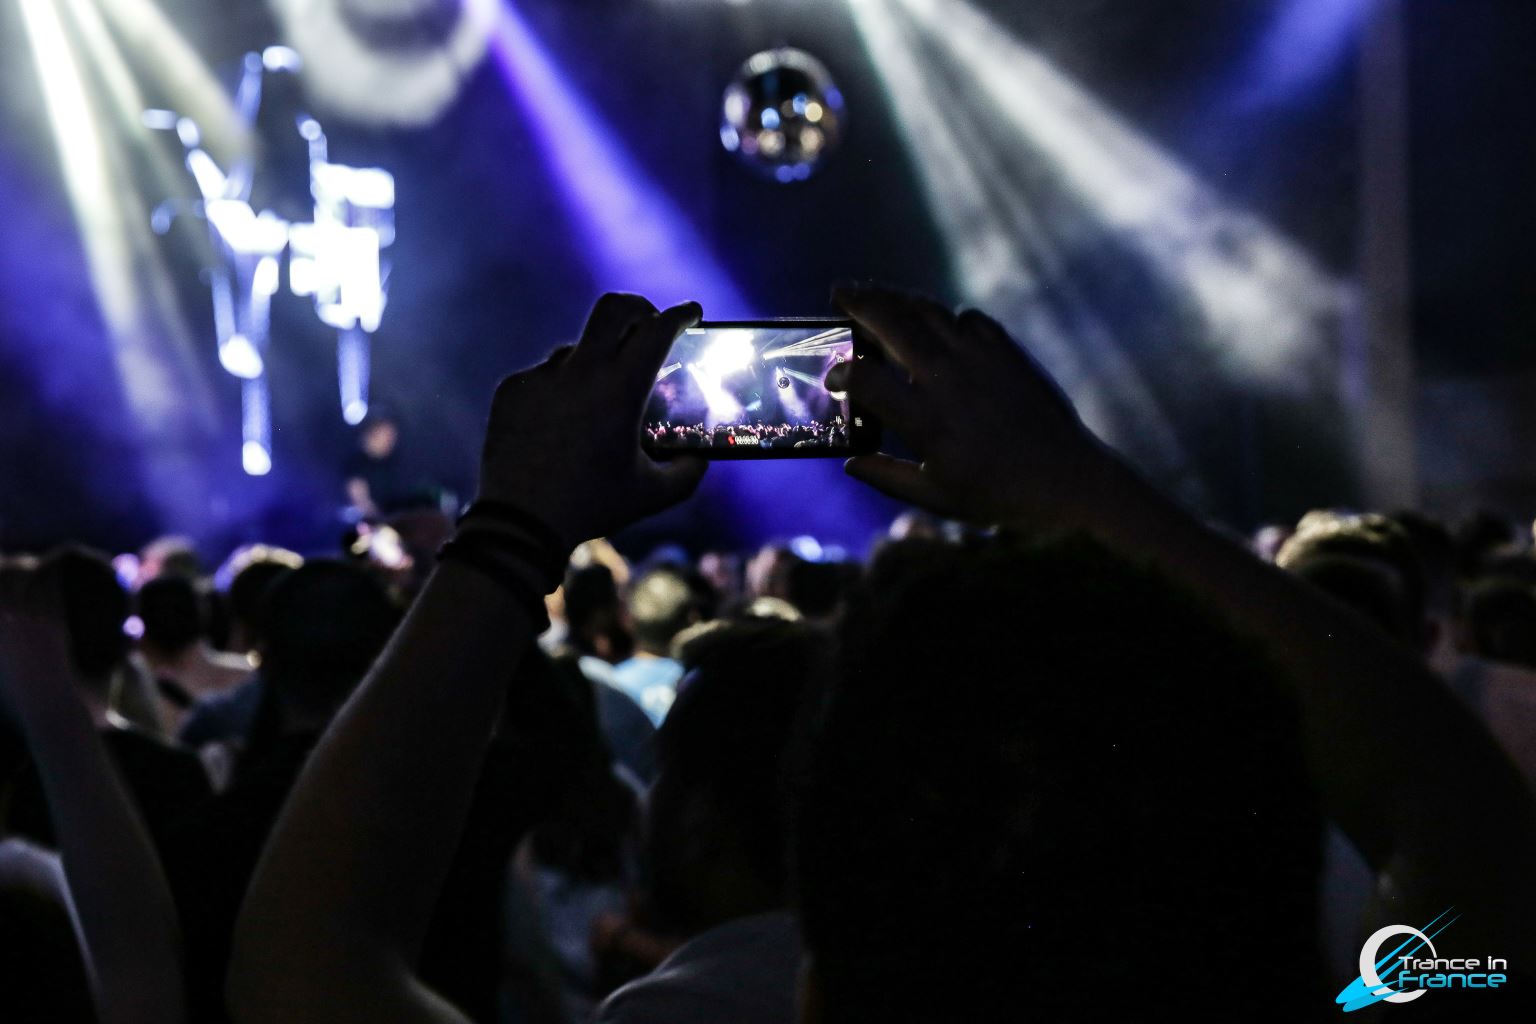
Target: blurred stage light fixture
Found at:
x=782, y=114
x=387, y=61
x=337, y=259
x=255, y=427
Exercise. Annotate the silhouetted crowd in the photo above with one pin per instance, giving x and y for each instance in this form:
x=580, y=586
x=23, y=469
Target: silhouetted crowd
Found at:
x=1056, y=750
x=812, y=434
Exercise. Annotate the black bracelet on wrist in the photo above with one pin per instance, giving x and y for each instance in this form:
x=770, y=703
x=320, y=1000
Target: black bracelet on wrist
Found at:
x=482, y=559
x=511, y=515
x=495, y=543
x=548, y=551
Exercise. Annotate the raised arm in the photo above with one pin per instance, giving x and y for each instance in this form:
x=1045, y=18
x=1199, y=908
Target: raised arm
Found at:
x=1400, y=764
x=119, y=902
x=339, y=905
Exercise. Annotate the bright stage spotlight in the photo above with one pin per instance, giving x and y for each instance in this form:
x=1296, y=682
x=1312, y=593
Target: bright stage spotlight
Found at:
x=249, y=245
x=281, y=58
x=1002, y=256
x=809, y=379
x=1264, y=301
x=255, y=427
x=240, y=357
x=342, y=249
x=83, y=162
x=637, y=238
x=149, y=341
x=255, y=459
x=731, y=352
x=83, y=78
x=119, y=86
x=163, y=54
x=722, y=406
x=353, y=353
x=825, y=343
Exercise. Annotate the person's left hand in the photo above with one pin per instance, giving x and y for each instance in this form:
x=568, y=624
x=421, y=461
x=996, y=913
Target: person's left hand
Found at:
x=564, y=438
x=997, y=441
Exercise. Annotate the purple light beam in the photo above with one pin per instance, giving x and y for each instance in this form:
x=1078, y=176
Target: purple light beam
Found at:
x=635, y=234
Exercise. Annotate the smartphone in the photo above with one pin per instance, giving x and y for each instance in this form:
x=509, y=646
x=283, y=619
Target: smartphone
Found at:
x=752, y=389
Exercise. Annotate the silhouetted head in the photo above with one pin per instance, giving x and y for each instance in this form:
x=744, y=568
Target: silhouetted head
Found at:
x=169, y=556
x=324, y=624
x=1501, y=616
x=1366, y=562
x=95, y=606
x=247, y=593
x=1480, y=535
x=817, y=589
x=1045, y=784
x=717, y=838
x=173, y=613
x=661, y=604
x=1435, y=550
x=766, y=572
x=594, y=614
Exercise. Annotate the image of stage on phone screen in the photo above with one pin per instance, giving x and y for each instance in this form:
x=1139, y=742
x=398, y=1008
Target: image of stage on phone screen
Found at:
x=751, y=389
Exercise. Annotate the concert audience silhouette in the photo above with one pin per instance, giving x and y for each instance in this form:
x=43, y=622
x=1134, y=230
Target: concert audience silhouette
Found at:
x=1058, y=751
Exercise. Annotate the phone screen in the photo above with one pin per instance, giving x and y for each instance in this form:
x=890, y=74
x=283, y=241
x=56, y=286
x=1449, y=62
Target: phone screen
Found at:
x=754, y=390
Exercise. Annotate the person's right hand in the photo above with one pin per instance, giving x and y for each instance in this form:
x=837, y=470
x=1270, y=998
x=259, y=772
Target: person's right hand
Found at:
x=563, y=441
x=997, y=440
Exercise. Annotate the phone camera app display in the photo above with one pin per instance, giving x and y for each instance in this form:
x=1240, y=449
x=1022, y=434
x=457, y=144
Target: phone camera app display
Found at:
x=751, y=388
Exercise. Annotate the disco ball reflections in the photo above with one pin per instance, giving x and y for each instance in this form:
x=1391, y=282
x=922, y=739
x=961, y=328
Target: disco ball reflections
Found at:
x=782, y=114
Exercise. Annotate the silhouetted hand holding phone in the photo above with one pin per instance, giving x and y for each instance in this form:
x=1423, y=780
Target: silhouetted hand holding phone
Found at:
x=997, y=440
x=1000, y=445
x=563, y=442
x=387, y=790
